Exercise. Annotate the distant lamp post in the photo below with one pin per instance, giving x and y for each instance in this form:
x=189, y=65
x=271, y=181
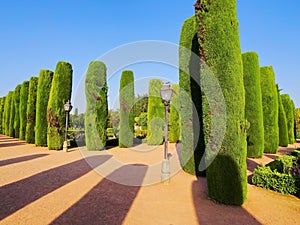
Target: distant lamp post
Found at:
x=166, y=94
x=68, y=107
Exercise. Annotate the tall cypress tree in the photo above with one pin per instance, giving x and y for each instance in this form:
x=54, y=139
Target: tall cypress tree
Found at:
x=288, y=106
x=12, y=117
x=96, y=113
x=270, y=109
x=282, y=123
x=7, y=112
x=126, y=98
x=17, y=93
x=220, y=51
x=2, y=102
x=297, y=122
x=253, y=107
x=155, y=113
x=60, y=93
x=23, y=108
x=31, y=110
x=43, y=93
x=174, y=121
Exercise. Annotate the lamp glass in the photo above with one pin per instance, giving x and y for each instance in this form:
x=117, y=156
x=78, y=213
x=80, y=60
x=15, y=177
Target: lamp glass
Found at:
x=166, y=92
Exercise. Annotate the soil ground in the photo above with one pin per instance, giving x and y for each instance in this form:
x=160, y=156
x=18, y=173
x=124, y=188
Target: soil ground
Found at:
x=38, y=186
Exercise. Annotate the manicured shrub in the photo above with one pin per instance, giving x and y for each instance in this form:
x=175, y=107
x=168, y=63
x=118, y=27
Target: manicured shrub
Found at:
x=31, y=110
x=174, y=120
x=60, y=93
x=289, y=109
x=270, y=109
x=23, y=108
x=7, y=111
x=226, y=175
x=42, y=98
x=2, y=102
x=282, y=123
x=297, y=122
x=126, y=98
x=264, y=177
x=155, y=113
x=96, y=115
x=282, y=163
x=12, y=117
x=190, y=98
x=17, y=110
x=253, y=107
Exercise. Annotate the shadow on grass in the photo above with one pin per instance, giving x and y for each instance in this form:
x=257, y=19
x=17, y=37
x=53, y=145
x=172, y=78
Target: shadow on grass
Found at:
x=21, y=159
x=107, y=202
x=17, y=195
x=209, y=212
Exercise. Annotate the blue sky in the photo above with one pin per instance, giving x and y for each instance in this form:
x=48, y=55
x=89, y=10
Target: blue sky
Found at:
x=37, y=34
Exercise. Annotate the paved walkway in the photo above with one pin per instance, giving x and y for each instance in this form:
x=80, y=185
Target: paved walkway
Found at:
x=39, y=186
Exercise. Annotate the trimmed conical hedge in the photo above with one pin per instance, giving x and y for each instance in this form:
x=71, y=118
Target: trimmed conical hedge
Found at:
x=155, y=113
x=126, y=98
x=60, y=93
x=192, y=136
x=297, y=122
x=2, y=102
x=174, y=119
x=31, y=110
x=7, y=111
x=282, y=123
x=253, y=107
x=219, y=43
x=12, y=117
x=42, y=98
x=23, y=108
x=96, y=113
x=289, y=109
x=270, y=109
x=17, y=110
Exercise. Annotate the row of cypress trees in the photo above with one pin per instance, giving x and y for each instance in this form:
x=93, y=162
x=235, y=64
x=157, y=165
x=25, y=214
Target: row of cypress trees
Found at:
x=26, y=113
x=255, y=110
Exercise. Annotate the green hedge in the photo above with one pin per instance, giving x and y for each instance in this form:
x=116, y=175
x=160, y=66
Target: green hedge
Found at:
x=126, y=98
x=17, y=93
x=192, y=137
x=42, y=98
x=264, y=177
x=7, y=112
x=12, y=117
x=2, y=102
x=289, y=109
x=282, y=123
x=174, y=119
x=60, y=93
x=31, y=110
x=96, y=114
x=253, y=107
x=297, y=121
x=23, y=108
x=270, y=109
x=155, y=113
x=282, y=163
x=219, y=42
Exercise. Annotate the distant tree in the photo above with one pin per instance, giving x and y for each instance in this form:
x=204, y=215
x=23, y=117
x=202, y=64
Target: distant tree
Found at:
x=7, y=111
x=60, y=93
x=17, y=93
x=289, y=109
x=142, y=119
x=297, y=122
x=140, y=104
x=282, y=123
x=12, y=117
x=2, y=102
x=23, y=109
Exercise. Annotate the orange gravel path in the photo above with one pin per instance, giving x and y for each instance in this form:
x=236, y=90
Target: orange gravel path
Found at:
x=39, y=186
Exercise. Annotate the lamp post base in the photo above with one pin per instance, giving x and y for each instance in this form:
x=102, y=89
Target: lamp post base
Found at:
x=165, y=171
x=65, y=146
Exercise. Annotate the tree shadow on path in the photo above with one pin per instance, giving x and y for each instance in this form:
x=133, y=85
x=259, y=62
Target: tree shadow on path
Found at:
x=21, y=159
x=108, y=202
x=17, y=195
x=209, y=212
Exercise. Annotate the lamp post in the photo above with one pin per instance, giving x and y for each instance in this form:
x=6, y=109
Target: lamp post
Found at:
x=68, y=108
x=166, y=94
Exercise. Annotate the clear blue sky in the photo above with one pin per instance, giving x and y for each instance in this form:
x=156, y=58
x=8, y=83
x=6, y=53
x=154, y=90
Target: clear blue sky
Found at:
x=37, y=34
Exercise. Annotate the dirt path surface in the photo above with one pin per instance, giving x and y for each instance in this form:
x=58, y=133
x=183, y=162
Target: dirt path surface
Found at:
x=38, y=186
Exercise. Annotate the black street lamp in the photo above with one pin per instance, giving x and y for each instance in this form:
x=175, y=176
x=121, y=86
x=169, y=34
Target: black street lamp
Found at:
x=166, y=94
x=68, y=107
